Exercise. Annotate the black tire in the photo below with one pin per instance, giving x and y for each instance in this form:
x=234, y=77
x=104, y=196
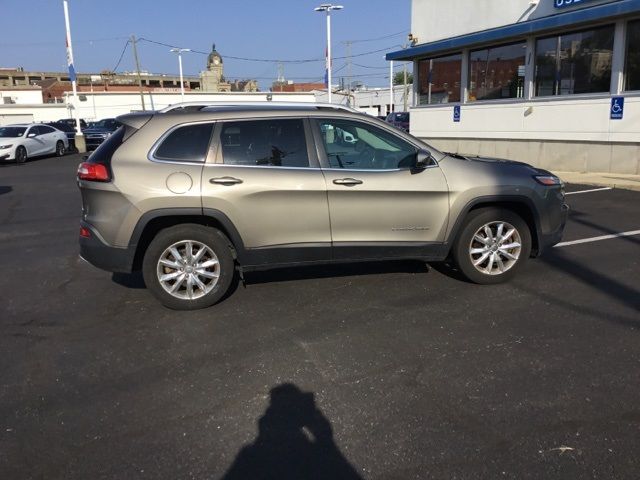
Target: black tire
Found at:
x=213, y=239
x=60, y=150
x=21, y=154
x=462, y=247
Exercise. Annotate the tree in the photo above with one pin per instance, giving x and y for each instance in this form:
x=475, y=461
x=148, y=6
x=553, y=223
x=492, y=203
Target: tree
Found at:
x=398, y=78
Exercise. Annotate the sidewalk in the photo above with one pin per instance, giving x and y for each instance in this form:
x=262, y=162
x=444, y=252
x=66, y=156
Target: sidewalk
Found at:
x=616, y=180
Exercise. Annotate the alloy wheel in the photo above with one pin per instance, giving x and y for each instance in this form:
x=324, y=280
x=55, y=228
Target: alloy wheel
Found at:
x=495, y=248
x=188, y=270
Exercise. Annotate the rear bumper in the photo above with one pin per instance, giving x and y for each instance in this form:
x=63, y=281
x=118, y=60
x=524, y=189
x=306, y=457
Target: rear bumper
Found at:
x=106, y=257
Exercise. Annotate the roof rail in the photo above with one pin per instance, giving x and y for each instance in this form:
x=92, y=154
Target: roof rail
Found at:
x=195, y=106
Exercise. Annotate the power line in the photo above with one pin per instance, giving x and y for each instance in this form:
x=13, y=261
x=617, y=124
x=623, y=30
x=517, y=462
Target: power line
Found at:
x=124, y=49
x=269, y=60
x=403, y=32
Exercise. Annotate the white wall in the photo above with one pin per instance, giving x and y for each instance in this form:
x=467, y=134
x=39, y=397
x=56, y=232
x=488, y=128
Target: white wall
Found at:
x=433, y=20
x=106, y=104
x=22, y=97
x=584, y=120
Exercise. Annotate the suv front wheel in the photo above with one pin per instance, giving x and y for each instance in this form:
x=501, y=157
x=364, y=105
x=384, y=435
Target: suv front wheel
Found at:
x=188, y=266
x=493, y=245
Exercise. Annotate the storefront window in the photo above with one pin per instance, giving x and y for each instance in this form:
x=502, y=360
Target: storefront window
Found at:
x=632, y=63
x=439, y=79
x=497, y=72
x=574, y=63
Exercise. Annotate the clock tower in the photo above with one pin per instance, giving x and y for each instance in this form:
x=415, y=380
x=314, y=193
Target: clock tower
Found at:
x=212, y=79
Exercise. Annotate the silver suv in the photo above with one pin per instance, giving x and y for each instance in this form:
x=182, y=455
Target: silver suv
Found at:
x=191, y=197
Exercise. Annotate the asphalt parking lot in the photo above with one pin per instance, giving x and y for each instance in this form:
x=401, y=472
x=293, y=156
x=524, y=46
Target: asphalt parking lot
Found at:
x=373, y=371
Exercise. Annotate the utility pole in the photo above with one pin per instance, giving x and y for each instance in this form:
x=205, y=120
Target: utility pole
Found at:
x=391, y=86
x=135, y=57
x=405, y=83
x=348, y=44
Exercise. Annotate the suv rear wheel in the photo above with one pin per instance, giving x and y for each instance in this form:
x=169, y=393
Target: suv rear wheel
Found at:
x=188, y=266
x=492, y=246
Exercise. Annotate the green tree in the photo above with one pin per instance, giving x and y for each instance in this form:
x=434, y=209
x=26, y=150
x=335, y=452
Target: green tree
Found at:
x=398, y=78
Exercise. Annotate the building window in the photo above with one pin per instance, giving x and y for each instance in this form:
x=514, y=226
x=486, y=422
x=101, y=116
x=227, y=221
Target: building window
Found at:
x=632, y=63
x=439, y=79
x=497, y=72
x=574, y=63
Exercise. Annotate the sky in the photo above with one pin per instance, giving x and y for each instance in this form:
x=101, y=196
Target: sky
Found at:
x=33, y=36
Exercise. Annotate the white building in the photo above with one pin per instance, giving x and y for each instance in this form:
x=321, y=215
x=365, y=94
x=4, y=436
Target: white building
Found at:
x=98, y=105
x=555, y=83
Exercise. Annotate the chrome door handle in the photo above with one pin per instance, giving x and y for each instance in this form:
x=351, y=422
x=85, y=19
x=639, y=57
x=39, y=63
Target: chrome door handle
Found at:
x=225, y=180
x=349, y=182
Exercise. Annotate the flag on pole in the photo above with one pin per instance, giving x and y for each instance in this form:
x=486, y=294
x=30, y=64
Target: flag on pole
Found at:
x=72, y=70
x=327, y=64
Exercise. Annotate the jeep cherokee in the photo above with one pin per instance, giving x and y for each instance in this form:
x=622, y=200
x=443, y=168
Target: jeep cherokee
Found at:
x=192, y=196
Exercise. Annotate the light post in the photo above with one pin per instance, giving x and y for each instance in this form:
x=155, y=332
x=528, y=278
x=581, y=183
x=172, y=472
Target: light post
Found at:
x=179, y=52
x=80, y=143
x=327, y=7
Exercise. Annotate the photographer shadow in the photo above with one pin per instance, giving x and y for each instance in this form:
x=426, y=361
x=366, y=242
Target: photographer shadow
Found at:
x=295, y=441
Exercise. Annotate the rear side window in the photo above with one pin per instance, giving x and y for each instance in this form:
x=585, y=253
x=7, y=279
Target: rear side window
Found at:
x=189, y=143
x=275, y=143
x=106, y=149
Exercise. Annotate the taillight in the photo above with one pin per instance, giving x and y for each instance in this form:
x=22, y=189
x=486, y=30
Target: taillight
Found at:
x=85, y=232
x=94, y=172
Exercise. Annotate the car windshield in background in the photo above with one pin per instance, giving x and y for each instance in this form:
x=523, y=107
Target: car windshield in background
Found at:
x=402, y=117
x=12, y=132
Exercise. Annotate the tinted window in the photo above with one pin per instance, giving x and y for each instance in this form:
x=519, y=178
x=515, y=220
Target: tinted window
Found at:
x=578, y=62
x=106, y=149
x=632, y=64
x=439, y=79
x=44, y=129
x=186, y=144
x=12, y=132
x=497, y=72
x=358, y=146
x=277, y=143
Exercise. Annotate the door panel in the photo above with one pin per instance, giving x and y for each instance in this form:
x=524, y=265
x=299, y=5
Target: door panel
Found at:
x=388, y=206
x=269, y=185
x=376, y=196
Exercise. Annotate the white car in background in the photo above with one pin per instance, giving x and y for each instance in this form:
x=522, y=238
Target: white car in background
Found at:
x=21, y=141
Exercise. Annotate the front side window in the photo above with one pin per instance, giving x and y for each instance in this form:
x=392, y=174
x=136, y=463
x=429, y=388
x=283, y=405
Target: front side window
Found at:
x=497, y=72
x=632, y=62
x=189, y=143
x=358, y=146
x=44, y=129
x=578, y=62
x=439, y=79
x=274, y=143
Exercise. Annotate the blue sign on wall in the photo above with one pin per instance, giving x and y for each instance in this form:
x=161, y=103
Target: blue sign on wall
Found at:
x=617, y=108
x=569, y=3
x=456, y=113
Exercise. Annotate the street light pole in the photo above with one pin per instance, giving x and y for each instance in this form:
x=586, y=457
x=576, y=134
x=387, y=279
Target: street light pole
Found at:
x=327, y=7
x=179, y=52
x=79, y=141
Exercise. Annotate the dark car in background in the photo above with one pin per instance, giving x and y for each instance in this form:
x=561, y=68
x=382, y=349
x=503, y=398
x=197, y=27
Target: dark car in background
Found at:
x=399, y=120
x=72, y=122
x=70, y=132
x=99, y=132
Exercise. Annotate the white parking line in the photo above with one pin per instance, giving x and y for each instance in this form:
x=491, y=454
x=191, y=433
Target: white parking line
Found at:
x=591, y=190
x=597, y=239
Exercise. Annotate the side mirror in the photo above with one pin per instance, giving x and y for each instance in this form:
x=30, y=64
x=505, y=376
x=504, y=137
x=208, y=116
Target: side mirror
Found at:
x=31, y=135
x=424, y=159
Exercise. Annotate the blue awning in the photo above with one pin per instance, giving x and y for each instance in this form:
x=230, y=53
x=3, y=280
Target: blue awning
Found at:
x=529, y=27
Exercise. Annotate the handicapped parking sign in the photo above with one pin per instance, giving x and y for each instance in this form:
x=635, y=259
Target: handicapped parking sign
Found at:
x=456, y=113
x=617, y=108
